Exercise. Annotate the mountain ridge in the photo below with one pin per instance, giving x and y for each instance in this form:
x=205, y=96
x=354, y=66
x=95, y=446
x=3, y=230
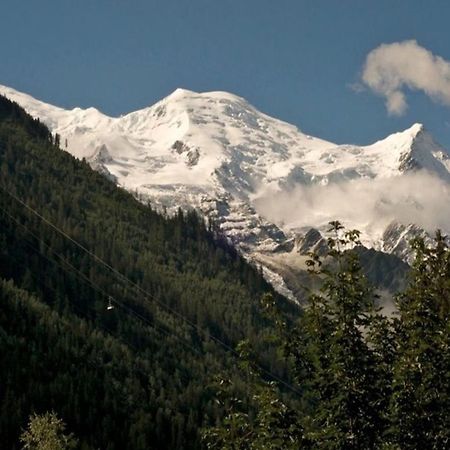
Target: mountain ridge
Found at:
x=72, y=245
x=216, y=153
x=179, y=111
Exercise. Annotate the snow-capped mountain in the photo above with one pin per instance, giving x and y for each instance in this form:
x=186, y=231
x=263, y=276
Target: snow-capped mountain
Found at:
x=217, y=153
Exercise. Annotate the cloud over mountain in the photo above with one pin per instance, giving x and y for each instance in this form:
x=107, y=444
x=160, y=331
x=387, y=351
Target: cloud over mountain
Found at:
x=390, y=68
x=367, y=204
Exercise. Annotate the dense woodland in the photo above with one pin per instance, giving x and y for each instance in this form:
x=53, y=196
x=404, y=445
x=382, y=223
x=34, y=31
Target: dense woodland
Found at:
x=158, y=369
x=136, y=376
x=368, y=381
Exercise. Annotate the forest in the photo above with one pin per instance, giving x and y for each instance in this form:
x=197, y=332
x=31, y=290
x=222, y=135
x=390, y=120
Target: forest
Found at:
x=136, y=376
x=141, y=331
x=367, y=380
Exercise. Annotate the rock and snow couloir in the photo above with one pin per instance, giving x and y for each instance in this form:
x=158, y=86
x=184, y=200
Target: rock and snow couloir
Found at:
x=217, y=153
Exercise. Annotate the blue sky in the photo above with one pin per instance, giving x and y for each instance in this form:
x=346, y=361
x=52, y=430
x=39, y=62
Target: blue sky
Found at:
x=292, y=59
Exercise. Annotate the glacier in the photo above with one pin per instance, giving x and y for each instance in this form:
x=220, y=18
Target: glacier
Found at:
x=264, y=183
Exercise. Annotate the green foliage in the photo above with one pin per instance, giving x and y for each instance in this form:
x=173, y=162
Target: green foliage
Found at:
x=366, y=381
x=136, y=376
x=421, y=372
x=47, y=432
x=273, y=426
x=341, y=368
x=133, y=377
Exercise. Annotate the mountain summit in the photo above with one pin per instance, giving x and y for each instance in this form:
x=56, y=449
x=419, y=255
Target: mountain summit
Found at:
x=415, y=149
x=215, y=152
x=194, y=138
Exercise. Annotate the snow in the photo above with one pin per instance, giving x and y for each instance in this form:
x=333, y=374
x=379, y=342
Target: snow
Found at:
x=225, y=142
x=224, y=129
x=215, y=152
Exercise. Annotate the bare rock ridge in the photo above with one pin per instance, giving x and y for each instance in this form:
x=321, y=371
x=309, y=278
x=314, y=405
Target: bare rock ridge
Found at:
x=424, y=153
x=312, y=241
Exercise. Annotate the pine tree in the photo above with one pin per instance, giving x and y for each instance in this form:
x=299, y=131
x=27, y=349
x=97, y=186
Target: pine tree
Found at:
x=342, y=366
x=274, y=425
x=335, y=366
x=420, y=401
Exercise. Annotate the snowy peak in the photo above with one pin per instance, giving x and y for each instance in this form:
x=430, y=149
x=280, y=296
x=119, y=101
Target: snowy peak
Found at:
x=218, y=140
x=402, y=139
x=413, y=131
x=35, y=108
x=181, y=92
x=427, y=154
x=416, y=128
x=413, y=149
x=270, y=188
x=59, y=120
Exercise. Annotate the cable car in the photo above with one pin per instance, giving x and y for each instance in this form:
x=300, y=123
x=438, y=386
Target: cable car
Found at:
x=110, y=305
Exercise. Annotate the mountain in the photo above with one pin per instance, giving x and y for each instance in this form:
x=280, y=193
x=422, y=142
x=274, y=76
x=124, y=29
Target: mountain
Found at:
x=72, y=244
x=262, y=181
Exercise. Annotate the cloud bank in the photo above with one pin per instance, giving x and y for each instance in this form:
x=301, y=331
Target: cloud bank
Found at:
x=390, y=68
x=369, y=205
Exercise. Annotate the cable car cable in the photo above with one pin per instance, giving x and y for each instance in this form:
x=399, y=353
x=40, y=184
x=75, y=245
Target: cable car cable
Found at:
x=93, y=285
x=148, y=295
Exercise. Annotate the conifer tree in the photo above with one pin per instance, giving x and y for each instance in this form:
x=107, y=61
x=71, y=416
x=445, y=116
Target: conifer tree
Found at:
x=334, y=354
x=275, y=425
x=342, y=368
x=420, y=401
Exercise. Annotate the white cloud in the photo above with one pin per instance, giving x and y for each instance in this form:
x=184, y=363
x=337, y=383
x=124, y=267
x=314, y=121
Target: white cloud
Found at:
x=366, y=204
x=390, y=68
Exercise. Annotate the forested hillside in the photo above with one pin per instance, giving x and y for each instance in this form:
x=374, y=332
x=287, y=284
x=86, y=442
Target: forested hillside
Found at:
x=368, y=381
x=107, y=309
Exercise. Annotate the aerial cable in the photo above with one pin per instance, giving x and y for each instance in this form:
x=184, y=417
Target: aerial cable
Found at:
x=111, y=301
x=99, y=260
x=103, y=326
x=147, y=295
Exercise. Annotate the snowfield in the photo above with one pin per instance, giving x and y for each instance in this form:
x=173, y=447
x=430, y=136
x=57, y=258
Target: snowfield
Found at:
x=264, y=182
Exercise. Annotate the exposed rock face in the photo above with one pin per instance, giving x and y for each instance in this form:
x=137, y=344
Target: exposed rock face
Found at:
x=408, y=162
x=243, y=226
x=192, y=155
x=397, y=237
x=311, y=241
x=100, y=160
x=424, y=153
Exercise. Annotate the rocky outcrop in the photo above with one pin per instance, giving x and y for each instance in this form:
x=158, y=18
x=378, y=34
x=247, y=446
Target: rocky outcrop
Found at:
x=311, y=241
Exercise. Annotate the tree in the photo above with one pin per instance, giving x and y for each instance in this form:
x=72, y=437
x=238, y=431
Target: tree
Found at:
x=47, y=432
x=273, y=425
x=421, y=371
x=61, y=349
x=367, y=381
x=57, y=141
x=333, y=362
x=341, y=368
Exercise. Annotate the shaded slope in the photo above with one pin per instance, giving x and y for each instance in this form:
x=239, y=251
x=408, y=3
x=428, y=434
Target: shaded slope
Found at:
x=176, y=261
